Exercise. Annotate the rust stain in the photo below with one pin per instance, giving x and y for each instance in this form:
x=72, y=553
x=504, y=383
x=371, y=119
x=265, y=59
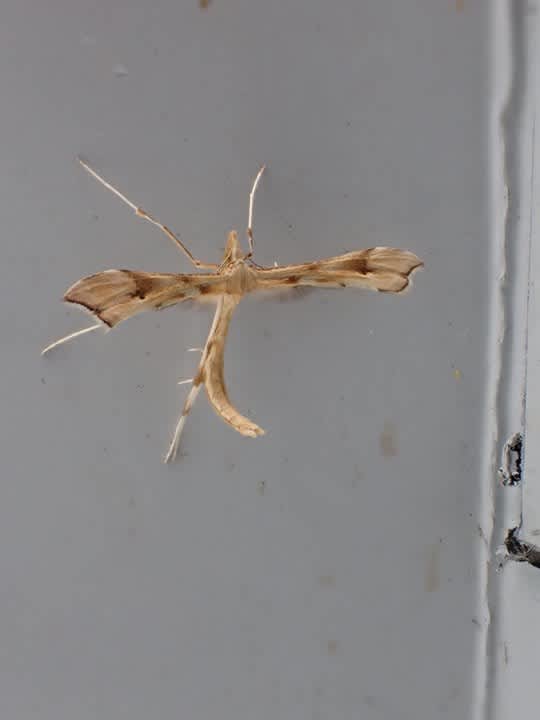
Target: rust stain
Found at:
x=388, y=440
x=332, y=647
x=327, y=580
x=432, y=577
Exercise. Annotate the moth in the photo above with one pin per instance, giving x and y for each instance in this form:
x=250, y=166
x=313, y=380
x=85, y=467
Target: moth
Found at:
x=116, y=295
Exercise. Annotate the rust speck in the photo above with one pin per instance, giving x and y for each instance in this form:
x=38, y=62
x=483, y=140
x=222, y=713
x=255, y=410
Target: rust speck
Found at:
x=332, y=647
x=327, y=580
x=388, y=440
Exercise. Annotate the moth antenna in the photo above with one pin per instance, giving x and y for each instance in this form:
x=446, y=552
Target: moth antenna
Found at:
x=146, y=216
x=195, y=350
x=185, y=382
x=250, y=212
x=71, y=336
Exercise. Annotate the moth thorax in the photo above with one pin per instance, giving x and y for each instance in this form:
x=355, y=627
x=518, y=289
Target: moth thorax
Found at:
x=241, y=280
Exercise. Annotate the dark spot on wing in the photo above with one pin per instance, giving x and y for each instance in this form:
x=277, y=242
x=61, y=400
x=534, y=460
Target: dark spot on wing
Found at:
x=292, y=279
x=358, y=264
x=204, y=289
x=143, y=285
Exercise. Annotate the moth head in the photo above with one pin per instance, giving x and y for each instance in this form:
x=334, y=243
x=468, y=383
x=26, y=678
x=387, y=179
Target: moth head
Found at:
x=233, y=251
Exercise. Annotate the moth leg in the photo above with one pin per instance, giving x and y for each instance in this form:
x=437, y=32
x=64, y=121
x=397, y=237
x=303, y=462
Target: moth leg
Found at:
x=146, y=216
x=71, y=336
x=250, y=212
x=175, y=442
x=197, y=381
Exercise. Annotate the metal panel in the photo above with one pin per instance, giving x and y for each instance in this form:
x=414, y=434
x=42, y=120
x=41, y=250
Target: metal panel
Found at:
x=336, y=567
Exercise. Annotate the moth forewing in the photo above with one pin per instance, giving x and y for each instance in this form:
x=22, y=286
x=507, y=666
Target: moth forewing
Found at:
x=115, y=295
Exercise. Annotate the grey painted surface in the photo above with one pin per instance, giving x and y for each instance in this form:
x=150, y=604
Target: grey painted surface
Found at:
x=350, y=587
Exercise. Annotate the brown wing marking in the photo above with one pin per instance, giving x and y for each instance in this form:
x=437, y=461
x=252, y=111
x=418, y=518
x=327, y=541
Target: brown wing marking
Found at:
x=115, y=295
x=380, y=268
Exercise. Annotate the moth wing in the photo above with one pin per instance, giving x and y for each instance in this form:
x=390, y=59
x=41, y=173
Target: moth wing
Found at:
x=212, y=373
x=115, y=295
x=380, y=268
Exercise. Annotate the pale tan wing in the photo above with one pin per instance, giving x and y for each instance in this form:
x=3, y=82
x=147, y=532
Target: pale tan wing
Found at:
x=115, y=295
x=380, y=268
x=211, y=372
